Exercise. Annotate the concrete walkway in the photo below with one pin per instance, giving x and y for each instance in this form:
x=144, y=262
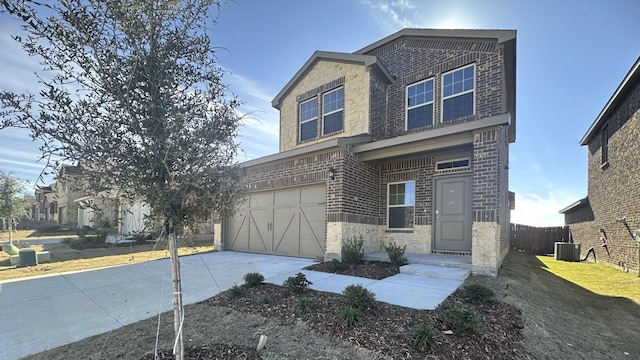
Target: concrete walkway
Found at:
x=50, y=311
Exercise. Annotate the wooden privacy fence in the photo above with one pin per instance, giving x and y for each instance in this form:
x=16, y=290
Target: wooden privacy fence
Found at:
x=538, y=240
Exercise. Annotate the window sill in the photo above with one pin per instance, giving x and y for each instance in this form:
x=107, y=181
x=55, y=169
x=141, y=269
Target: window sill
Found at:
x=604, y=165
x=399, y=231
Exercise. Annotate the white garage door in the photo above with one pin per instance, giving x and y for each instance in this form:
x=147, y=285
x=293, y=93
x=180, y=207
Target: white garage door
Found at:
x=285, y=222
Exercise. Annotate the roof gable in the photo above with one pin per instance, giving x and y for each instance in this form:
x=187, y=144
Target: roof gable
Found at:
x=627, y=84
x=366, y=60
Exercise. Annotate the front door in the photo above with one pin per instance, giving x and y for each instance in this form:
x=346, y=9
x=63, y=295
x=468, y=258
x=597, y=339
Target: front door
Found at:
x=453, y=213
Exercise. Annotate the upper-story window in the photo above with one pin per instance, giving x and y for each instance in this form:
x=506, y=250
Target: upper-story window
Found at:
x=458, y=93
x=420, y=105
x=604, y=134
x=309, y=120
x=332, y=111
x=400, y=205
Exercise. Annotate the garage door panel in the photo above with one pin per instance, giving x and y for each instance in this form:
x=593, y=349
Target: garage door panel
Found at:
x=285, y=222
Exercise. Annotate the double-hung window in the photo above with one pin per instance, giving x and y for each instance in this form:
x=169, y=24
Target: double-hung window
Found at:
x=420, y=105
x=400, y=205
x=332, y=110
x=309, y=120
x=458, y=93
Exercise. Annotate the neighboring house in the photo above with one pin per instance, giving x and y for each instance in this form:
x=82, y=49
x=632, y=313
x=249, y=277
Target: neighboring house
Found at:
x=405, y=141
x=611, y=211
x=109, y=208
x=55, y=202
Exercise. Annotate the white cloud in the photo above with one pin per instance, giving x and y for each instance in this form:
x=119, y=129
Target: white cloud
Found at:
x=393, y=15
x=542, y=209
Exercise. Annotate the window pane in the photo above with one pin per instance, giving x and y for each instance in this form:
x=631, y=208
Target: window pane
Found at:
x=332, y=123
x=409, y=193
x=309, y=130
x=309, y=110
x=457, y=107
x=420, y=117
x=334, y=100
x=401, y=217
x=420, y=93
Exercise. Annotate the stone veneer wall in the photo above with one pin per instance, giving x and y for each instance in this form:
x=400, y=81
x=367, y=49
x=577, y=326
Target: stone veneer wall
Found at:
x=412, y=60
x=321, y=77
x=614, y=189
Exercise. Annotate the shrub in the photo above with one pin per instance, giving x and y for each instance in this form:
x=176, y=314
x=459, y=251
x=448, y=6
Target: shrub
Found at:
x=302, y=305
x=253, y=279
x=359, y=297
x=396, y=254
x=297, y=284
x=265, y=300
x=352, y=252
x=423, y=336
x=351, y=316
x=234, y=292
x=459, y=317
x=478, y=292
x=337, y=265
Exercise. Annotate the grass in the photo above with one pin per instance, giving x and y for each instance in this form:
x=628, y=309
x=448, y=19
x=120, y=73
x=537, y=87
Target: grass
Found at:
x=598, y=278
x=66, y=259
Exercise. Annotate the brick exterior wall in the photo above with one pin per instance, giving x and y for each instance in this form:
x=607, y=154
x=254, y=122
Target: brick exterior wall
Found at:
x=377, y=107
x=411, y=60
x=613, y=190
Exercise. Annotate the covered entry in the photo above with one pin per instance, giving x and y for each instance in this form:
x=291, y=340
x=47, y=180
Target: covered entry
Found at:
x=284, y=222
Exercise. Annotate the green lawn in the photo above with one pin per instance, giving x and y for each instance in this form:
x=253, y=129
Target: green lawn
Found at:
x=598, y=278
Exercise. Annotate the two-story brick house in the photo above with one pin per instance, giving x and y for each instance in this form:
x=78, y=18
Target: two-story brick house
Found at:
x=406, y=140
x=611, y=211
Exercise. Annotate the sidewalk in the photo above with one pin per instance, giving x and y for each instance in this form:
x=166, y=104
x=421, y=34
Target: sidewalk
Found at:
x=50, y=311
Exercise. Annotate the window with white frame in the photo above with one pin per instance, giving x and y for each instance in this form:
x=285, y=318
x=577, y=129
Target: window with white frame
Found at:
x=308, y=120
x=400, y=205
x=420, y=105
x=332, y=110
x=458, y=98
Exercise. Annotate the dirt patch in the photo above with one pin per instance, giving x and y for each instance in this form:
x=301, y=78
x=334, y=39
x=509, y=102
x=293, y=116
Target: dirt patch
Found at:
x=371, y=270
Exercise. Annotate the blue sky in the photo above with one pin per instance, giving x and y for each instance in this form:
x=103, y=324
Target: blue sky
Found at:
x=571, y=56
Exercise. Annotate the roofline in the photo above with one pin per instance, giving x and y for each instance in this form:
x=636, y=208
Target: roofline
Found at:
x=304, y=150
x=500, y=35
x=582, y=201
x=632, y=76
x=366, y=60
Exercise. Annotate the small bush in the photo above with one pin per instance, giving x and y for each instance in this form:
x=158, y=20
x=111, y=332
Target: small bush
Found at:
x=265, y=300
x=478, y=292
x=302, y=305
x=352, y=252
x=297, y=284
x=234, y=292
x=351, y=316
x=423, y=336
x=337, y=265
x=253, y=279
x=459, y=317
x=359, y=297
x=396, y=254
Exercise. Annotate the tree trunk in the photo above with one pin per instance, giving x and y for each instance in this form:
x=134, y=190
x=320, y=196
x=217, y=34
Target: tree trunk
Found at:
x=178, y=316
x=10, y=223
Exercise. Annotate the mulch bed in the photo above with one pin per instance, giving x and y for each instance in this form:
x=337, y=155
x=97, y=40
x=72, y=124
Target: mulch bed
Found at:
x=371, y=270
x=386, y=328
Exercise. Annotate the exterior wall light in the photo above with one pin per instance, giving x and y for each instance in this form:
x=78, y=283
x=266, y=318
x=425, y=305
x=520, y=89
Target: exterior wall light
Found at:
x=332, y=173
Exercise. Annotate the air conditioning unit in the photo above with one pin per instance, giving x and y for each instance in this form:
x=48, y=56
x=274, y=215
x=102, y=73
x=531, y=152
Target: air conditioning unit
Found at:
x=567, y=251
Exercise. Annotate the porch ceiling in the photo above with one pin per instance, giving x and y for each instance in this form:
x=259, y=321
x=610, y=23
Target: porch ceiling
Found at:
x=439, y=138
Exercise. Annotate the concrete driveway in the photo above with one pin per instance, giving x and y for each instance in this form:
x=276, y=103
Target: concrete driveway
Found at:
x=50, y=311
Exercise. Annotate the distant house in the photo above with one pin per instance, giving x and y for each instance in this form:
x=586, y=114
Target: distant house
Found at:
x=610, y=213
x=405, y=141
x=55, y=202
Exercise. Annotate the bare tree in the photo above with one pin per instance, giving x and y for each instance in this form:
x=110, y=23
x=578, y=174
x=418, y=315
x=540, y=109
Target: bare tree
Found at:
x=132, y=90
